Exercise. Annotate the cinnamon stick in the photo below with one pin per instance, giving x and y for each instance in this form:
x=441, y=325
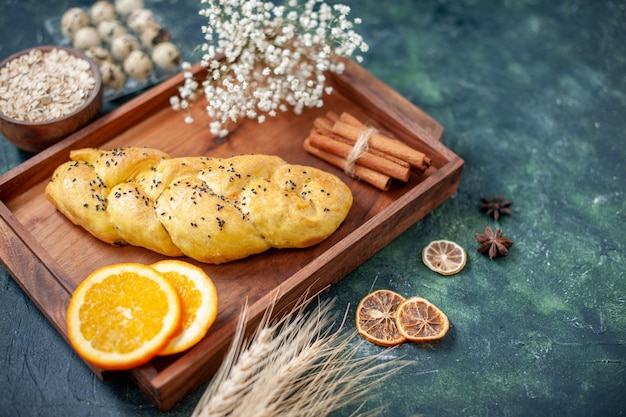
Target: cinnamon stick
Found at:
x=375, y=178
x=348, y=118
x=383, y=143
x=329, y=144
x=332, y=116
x=325, y=124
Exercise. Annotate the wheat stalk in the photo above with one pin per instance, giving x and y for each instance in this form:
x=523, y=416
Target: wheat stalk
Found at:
x=295, y=366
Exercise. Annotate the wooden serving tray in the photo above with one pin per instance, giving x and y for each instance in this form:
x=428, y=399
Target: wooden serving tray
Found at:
x=48, y=256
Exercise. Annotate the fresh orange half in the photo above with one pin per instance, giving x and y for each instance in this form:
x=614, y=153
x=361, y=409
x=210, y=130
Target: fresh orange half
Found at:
x=376, y=318
x=444, y=256
x=419, y=320
x=122, y=315
x=198, y=297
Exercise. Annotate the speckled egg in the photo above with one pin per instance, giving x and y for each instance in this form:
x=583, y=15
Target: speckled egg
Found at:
x=113, y=76
x=138, y=65
x=73, y=20
x=85, y=38
x=98, y=54
x=111, y=29
x=166, y=55
x=123, y=45
x=139, y=19
x=100, y=11
x=153, y=34
x=126, y=7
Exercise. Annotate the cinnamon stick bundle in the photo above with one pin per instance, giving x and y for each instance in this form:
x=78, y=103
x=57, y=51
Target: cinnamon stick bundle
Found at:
x=350, y=128
x=365, y=153
x=375, y=178
x=326, y=125
x=367, y=159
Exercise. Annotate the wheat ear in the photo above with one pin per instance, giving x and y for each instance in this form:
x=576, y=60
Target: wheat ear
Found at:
x=295, y=366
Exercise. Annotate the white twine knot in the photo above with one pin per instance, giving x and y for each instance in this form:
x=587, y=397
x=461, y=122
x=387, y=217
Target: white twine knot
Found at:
x=361, y=145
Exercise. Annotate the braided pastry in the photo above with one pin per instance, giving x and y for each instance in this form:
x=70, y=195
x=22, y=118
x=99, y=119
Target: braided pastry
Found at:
x=213, y=210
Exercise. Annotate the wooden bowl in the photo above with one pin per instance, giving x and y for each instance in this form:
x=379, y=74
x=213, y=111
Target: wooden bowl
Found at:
x=37, y=136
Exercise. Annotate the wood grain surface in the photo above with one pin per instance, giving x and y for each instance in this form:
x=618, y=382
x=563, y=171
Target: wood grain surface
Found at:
x=48, y=256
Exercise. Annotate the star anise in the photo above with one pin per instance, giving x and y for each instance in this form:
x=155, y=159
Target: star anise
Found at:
x=492, y=243
x=496, y=207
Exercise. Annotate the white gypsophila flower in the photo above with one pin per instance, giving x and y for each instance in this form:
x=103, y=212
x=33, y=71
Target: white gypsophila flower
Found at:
x=262, y=58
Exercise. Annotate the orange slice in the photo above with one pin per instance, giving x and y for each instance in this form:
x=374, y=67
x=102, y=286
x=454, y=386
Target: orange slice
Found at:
x=444, y=256
x=198, y=297
x=376, y=318
x=419, y=320
x=122, y=315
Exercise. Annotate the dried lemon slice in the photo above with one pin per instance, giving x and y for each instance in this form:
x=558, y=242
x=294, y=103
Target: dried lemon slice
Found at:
x=444, y=256
x=419, y=320
x=376, y=318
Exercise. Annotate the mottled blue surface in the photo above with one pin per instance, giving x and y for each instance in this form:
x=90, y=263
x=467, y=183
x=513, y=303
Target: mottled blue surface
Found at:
x=532, y=95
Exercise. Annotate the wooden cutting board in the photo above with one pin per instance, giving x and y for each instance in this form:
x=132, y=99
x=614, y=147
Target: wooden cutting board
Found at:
x=48, y=256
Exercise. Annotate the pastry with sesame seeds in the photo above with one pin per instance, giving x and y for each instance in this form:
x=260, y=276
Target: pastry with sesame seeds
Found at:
x=213, y=210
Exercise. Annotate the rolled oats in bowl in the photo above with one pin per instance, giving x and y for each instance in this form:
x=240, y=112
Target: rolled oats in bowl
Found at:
x=46, y=93
x=44, y=85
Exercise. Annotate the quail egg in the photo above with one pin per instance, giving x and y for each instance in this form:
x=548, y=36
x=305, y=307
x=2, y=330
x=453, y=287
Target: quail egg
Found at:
x=100, y=11
x=113, y=76
x=98, y=54
x=138, y=65
x=123, y=45
x=139, y=19
x=153, y=34
x=166, y=55
x=125, y=7
x=86, y=37
x=72, y=20
x=110, y=29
